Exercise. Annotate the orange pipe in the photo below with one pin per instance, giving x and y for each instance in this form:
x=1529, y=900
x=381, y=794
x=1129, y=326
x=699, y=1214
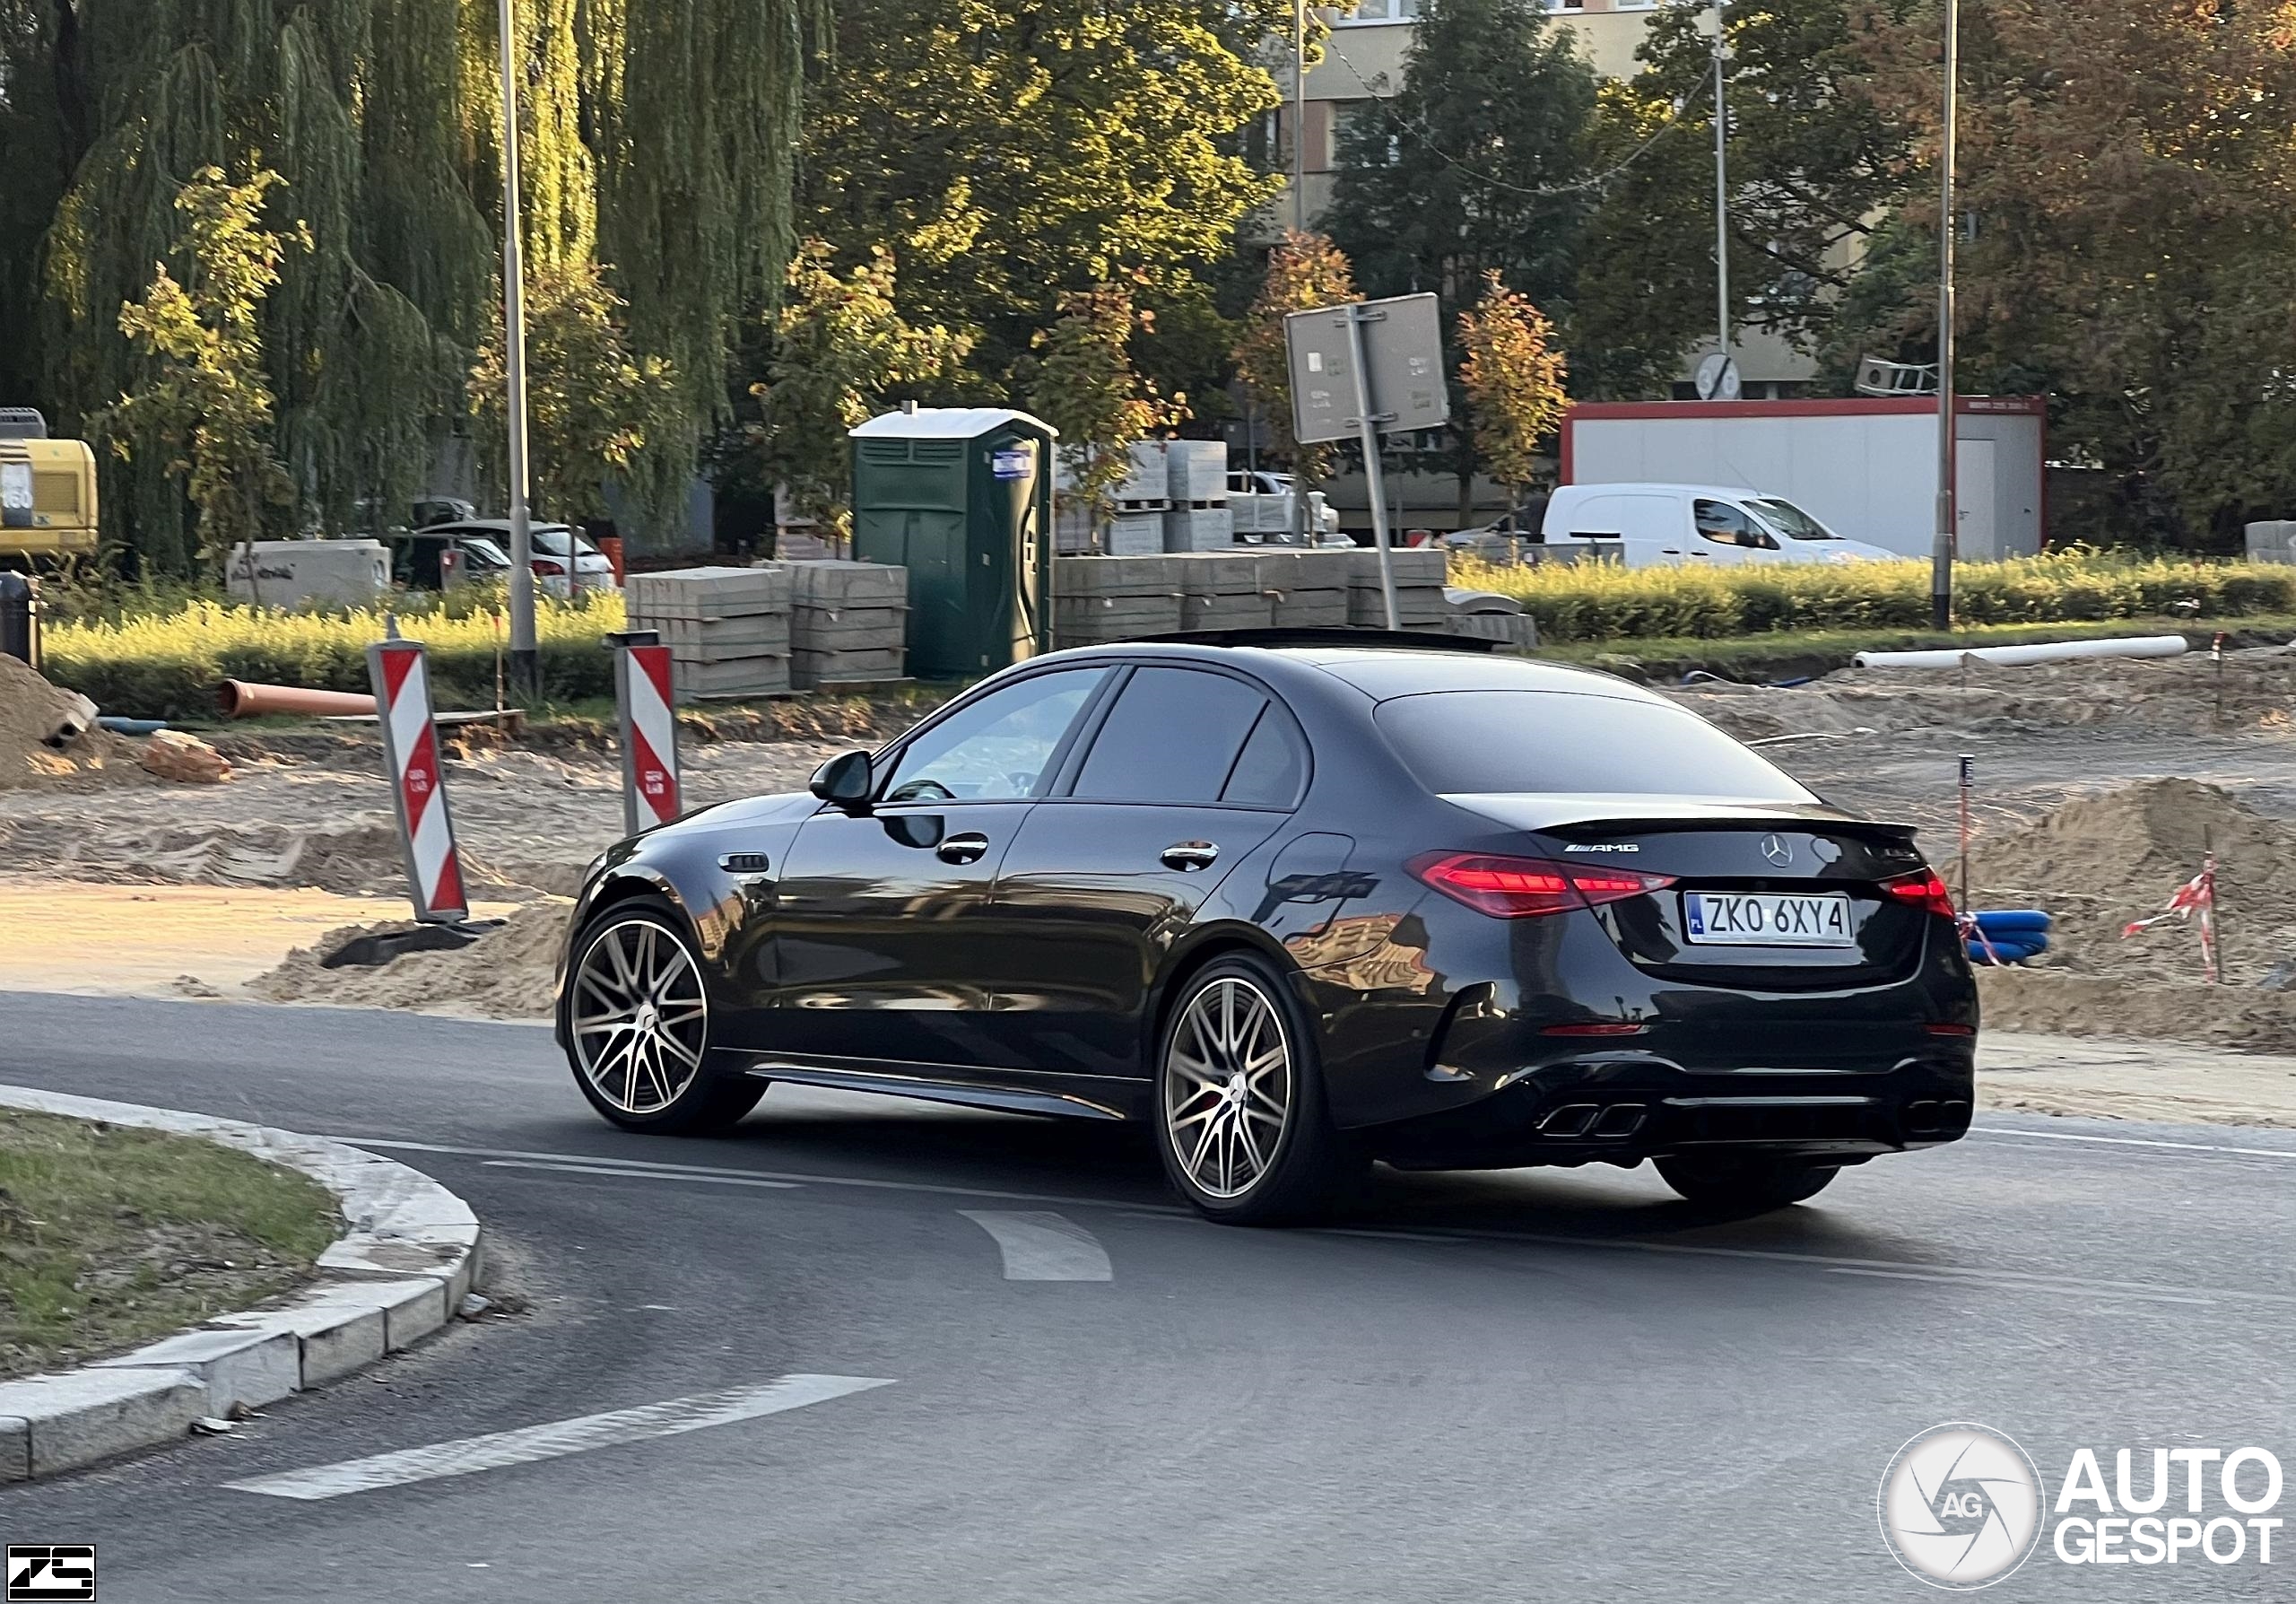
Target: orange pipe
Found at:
x=240, y=699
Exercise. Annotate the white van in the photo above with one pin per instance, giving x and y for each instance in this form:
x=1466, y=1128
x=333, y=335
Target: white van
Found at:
x=1642, y=525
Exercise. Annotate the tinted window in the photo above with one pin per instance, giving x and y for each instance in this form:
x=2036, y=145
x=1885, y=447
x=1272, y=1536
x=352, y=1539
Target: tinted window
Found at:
x=998, y=748
x=1791, y=518
x=1465, y=741
x=1272, y=767
x=1725, y=525
x=1172, y=736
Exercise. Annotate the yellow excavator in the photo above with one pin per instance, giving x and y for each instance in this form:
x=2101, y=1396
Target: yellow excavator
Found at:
x=47, y=489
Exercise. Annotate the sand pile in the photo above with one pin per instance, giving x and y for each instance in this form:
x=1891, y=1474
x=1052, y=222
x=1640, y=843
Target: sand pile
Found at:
x=504, y=974
x=2098, y=863
x=30, y=711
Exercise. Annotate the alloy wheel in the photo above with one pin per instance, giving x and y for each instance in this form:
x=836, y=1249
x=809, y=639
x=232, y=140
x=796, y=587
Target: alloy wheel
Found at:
x=640, y=1020
x=1228, y=1087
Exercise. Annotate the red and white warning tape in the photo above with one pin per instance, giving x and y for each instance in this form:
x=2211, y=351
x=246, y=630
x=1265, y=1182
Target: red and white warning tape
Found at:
x=434, y=872
x=2196, y=896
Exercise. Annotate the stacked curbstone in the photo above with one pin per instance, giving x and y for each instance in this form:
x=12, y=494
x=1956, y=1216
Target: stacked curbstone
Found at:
x=848, y=623
x=727, y=629
x=1098, y=599
x=1418, y=573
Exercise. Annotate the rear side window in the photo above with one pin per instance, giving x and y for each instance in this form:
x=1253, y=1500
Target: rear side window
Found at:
x=1481, y=742
x=1172, y=736
x=1272, y=767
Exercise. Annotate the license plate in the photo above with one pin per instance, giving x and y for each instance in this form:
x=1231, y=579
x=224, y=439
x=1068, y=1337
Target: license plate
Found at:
x=1764, y=918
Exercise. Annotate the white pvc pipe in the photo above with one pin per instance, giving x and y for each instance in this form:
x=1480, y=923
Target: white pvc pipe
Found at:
x=2044, y=652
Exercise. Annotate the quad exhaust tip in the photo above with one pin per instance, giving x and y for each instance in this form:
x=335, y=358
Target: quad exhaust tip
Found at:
x=1594, y=1119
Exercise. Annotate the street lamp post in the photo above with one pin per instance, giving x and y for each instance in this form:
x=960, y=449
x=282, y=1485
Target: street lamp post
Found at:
x=1941, y=557
x=525, y=656
x=1300, y=116
x=1721, y=189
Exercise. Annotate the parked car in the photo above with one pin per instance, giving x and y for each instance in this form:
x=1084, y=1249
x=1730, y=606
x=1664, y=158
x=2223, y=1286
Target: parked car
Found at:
x=551, y=544
x=1643, y=525
x=1297, y=902
x=420, y=557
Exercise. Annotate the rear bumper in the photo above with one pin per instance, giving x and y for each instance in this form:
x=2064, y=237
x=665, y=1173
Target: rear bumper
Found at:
x=1625, y=1107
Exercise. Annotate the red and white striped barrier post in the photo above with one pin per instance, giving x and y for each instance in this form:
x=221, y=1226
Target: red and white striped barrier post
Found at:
x=649, y=730
x=434, y=872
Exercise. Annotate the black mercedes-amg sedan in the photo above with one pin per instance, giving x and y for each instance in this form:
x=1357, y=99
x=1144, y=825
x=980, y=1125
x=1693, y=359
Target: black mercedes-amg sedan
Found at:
x=1299, y=901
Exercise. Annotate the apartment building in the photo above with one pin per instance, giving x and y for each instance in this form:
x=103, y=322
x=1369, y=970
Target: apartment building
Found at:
x=1363, y=61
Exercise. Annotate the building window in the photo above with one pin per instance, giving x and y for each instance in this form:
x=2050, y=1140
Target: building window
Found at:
x=1582, y=4
x=1376, y=11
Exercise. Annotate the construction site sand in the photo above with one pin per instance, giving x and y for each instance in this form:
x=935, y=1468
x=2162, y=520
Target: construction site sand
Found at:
x=506, y=973
x=30, y=711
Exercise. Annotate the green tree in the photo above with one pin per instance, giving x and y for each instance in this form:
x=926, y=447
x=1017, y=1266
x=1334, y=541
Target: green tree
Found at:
x=1512, y=375
x=2129, y=177
x=592, y=403
x=1475, y=166
x=1304, y=272
x=1082, y=381
x=841, y=352
x=1009, y=158
x=1814, y=164
x=202, y=411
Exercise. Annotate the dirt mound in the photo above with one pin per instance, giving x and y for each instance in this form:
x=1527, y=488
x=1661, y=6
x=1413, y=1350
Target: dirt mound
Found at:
x=504, y=974
x=2076, y=1005
x=30, y=711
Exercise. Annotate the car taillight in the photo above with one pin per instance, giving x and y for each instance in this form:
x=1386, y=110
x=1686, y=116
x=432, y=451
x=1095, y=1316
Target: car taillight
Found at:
x=1921, y=889
x=1524, y=887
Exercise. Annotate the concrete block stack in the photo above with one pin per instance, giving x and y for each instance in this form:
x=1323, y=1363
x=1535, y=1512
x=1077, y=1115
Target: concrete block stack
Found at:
x=848, y=623
x=727, y=629
x=1098, y=599
x=1308, y=589
x=1197, y=516
x=1220, y=590
x=1418, y=573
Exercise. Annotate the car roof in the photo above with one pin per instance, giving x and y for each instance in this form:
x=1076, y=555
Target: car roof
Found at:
x=1630, y=486
x=483, y=526
x=1380, y=670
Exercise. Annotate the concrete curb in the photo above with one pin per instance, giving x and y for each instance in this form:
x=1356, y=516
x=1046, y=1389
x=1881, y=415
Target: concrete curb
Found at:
x=411, y=1252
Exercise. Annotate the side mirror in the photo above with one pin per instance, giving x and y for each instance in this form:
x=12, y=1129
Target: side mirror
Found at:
x=846, y=780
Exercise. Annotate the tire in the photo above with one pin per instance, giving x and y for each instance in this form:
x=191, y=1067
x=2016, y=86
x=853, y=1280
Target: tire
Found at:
x=1745, y=1184
x=1228, y=1148
x=637, y=1017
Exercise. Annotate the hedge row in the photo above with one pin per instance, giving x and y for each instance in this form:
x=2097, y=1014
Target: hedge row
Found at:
x=1605, y=602
x=170, y=666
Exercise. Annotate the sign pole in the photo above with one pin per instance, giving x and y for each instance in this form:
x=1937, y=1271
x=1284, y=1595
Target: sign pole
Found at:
x=1367, y=424
x=1942, y=553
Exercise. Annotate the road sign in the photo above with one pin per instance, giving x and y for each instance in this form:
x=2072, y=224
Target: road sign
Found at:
x=1718, y=379
x=649, y=730
x=1403, y=361
x=434, y=871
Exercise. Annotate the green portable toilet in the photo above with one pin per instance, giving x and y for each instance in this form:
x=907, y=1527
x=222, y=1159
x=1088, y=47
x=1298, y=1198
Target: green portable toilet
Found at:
x=961, y=497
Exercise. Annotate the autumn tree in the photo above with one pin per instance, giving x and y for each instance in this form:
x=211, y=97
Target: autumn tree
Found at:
x=1512, y=376
x=2128, y=176
x=1304, y=271
x=841, y=353
x=1081, y=380
x=202, y=407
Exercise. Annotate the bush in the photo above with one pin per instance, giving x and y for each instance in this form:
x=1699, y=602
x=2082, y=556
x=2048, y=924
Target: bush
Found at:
x=1605, y=602
x=170, y=666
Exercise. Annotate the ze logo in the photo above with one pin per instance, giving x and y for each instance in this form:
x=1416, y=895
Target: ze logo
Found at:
x=51, y=1572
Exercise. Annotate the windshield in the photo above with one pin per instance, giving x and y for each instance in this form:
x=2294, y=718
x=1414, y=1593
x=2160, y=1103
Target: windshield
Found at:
x=1464, y=743
x=551, y=541
x=1790, y=520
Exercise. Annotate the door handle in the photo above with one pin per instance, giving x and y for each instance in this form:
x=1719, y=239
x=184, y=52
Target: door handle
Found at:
x=1189, y=855
x=967, y=848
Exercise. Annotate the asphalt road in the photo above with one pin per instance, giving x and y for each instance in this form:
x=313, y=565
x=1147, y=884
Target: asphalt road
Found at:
x=1518, y=1386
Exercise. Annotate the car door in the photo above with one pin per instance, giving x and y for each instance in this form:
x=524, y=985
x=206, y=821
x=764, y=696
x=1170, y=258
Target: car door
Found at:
x=1188, y=773
x=883, y=917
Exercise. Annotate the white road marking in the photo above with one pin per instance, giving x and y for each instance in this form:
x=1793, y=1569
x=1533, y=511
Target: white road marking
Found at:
x=2073, y=1291
x=558, y=1438
x=630, y=1174
x=795, y=1177
x=2071, y=1135
x=1043, y=1247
